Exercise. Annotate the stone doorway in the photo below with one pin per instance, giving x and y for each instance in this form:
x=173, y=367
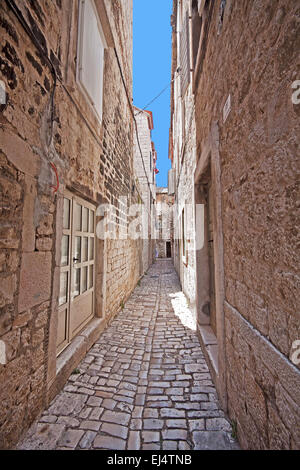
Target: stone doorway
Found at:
x=77, y=276
x=168, y=249
x=209, y=260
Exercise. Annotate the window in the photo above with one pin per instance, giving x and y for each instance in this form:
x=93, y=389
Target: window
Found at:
x=183, y=236
x=196, y=28
x=91, y=44
x=201, y=18
x=184, y=54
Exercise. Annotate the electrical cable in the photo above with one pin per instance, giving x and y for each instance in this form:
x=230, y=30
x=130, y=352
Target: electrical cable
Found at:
x=160, y=93
x=133, y=115
x=13, y=7
x=11, y=4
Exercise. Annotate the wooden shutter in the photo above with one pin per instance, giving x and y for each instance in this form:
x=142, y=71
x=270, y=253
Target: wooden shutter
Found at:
x=91, y=55
x=185, y=55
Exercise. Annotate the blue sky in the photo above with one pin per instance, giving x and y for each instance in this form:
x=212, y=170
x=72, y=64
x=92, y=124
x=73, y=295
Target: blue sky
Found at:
x=152, y=71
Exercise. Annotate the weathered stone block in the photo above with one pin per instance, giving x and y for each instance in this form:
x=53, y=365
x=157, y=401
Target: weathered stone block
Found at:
x=8, y=288
x=35, y=280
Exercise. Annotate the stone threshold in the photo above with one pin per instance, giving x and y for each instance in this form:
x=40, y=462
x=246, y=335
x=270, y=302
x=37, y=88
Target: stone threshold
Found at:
x=209, y=345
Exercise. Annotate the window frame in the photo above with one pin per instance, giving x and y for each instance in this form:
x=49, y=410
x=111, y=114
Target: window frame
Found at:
x=80, y=52
x=183, y=237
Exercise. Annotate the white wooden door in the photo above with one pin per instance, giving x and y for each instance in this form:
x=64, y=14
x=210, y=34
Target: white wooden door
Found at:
x=77, y=272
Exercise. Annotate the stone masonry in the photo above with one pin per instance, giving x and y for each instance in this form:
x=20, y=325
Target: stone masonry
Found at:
x=51, y=142
x=164, y=222
x=240, y=63
x=143, y=385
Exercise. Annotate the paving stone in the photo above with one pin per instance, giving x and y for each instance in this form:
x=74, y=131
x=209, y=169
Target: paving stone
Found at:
x=136, y=424
x=87, y=440
x=174, y=434
x=174, y=391
x=68, y=421
x=92, y=425
x=188, y=406
x=48, y=419
x=196, y=424
x=45, y=437
x=184, y=445
x=170, y=445
x=134, y=440
x=115, y=430
x=153, y=423
x=159, y=404
x=94, y=401
x=176, y=423
x=67, y=404
x=180, y=383
x=155, y=391
x=116, y=417
x=70, y=438
x=183, y=377
x=199, y=397
x=172, y=413
x=150, y=436
x=157, y=398
x=150, y=413
x=109, y=403
x=137, y=412
x=96, y=413
x=211, y=440
x=109, y=443
x=86, y=391
x=143, y=385
x=217, y=424
x=151, y=447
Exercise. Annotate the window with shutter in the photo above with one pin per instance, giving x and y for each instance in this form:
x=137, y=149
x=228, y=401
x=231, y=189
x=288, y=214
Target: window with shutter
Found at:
x=91, y=46
x=185, y=55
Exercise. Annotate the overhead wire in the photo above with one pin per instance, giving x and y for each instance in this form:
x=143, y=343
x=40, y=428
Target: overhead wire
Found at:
x=13, y=7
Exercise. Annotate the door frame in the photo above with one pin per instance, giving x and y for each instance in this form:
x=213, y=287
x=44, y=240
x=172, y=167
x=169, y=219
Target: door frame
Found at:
x=72, y=233
x=213, y=346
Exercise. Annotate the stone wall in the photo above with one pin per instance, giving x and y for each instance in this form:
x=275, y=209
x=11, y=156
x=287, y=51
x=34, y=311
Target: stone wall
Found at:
x=252, y=55
x=47, y=120
x=164, y=222
x=145, y=178
x=184, y=161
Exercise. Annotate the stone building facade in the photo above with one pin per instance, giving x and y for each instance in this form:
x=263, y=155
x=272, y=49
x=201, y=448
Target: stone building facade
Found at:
x=66, y=147
x=144, y=168
x=164, y=223
x=183, y=156
x=238, y=67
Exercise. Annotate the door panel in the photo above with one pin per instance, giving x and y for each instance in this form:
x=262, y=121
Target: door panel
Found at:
x=81, y=311
x=76, y=297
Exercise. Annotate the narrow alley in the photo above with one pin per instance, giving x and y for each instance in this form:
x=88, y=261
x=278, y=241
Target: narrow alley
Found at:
x=143, y=385
x=149, y=225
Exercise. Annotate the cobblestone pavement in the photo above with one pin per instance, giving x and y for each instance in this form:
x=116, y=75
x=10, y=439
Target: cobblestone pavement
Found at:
x=143, y=385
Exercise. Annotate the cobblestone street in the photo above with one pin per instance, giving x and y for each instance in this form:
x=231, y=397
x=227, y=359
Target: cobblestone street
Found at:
x=143, y=385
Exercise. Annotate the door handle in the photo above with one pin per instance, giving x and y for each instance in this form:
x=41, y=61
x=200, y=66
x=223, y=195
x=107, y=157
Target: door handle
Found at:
x=75, y=259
